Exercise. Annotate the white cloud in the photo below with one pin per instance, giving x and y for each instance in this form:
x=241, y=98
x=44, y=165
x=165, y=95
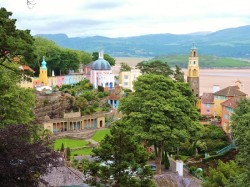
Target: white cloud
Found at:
x=121, y=18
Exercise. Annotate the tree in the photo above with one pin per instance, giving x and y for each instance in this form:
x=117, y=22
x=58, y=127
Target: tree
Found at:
x=178, y=74
x=120, y=156
x=67, y=154
x=241, y=134
x=161, y=113
x=62, y=148
x=23, y=160
x=111, y=60
x=125, y=67
x=222, y=174
x=16, y=103
x=15, y=45
x=156, y=67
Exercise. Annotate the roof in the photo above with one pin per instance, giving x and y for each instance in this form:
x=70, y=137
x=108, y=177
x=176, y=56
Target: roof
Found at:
x=113, y=96
x=207, y=98
x=101, y=64
x=26, y=68
x=231, y=103
x=89, y=64
x=230, y=91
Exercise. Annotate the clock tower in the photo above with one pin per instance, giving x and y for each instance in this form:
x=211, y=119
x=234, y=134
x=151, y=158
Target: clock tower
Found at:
x=193, y=71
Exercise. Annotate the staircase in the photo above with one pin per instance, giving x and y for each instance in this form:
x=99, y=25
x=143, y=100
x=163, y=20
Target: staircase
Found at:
x=226, y=149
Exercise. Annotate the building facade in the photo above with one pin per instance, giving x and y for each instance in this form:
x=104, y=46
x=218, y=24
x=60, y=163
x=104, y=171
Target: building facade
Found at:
x=74, y=122
x=207, y=104
x=126, y=78
x=223, y=95
x=44, y=80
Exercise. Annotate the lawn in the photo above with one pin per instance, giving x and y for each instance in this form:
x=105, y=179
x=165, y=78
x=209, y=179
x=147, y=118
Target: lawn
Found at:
x=84, y=151
x=100, y=134
x=71, y=143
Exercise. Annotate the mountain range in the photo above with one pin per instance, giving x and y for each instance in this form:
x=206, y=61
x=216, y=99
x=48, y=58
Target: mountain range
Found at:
x=232, y=42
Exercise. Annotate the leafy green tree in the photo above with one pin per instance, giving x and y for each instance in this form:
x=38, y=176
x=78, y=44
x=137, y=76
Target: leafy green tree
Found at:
x=222, y=174
x=125, y=67
x=16, y=103
x=111, y=60
x=84, y=57
x=15, y=45
x=156, y=67
x=22, y=159
x=120, y=156
x=81, y=102
x=178, y=74
x=160, y=112
x=241, y=134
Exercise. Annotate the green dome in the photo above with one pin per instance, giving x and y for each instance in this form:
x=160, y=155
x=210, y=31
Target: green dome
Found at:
x=44, y=63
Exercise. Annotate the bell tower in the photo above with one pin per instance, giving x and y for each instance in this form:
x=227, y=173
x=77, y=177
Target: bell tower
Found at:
x=193, y=71
x=43, y=77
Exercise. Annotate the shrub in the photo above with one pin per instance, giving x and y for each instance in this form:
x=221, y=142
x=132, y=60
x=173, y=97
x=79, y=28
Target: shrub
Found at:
x=100, y=95
x=96, y=104
x=67, y=154
x=100, y=89
x=62, y=148
x=45, y=101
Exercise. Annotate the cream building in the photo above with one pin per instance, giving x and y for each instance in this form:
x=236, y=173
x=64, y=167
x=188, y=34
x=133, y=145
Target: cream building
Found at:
x=126, y=78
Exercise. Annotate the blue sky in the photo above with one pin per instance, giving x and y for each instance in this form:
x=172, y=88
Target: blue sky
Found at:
x=122, y=18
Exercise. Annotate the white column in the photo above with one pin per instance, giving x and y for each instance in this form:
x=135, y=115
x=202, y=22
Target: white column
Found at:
x=179, y=167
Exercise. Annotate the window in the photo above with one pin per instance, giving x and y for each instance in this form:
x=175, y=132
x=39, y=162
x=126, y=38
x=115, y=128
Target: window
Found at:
x=125, y=76
x=216, y=97
x=208, y=110
x=229, y=109
x=208, y=105
x=125, y=83
x=226, y=116
x=194, y=62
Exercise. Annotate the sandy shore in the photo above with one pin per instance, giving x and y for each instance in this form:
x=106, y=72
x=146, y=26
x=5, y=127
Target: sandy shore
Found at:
x=224, y=78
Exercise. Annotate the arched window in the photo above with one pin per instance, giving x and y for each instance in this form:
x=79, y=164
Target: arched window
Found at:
x=195, y=72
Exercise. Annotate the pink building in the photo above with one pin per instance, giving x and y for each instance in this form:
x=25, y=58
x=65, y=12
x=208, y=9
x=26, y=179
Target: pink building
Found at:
x=227, y=110
x=207, y=104
x=101, y=73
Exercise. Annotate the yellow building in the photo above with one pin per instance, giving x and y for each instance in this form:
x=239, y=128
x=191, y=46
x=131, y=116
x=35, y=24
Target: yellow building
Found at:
x=74, y=122
x=43, y=76
x=193, y=71
x=126, y=78
x=223, y=95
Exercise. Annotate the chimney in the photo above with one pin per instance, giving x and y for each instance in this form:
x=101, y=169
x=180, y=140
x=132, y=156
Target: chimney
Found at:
x=239, y=84
x=216, y=88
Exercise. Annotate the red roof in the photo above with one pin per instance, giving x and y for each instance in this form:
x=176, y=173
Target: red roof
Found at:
x=230, y=91
x=231, y=103
x=26, y=68
x=207, y=98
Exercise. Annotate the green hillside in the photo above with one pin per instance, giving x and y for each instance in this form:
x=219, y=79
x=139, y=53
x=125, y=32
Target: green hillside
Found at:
x=205, y=61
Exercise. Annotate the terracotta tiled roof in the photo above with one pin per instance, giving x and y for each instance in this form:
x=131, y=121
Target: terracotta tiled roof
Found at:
x=231, y=103
x=230, y=91
x=114, y=97
x=207, y=98
x=27, y=68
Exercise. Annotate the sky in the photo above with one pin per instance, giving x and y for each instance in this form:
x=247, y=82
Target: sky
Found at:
x=123, y=18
